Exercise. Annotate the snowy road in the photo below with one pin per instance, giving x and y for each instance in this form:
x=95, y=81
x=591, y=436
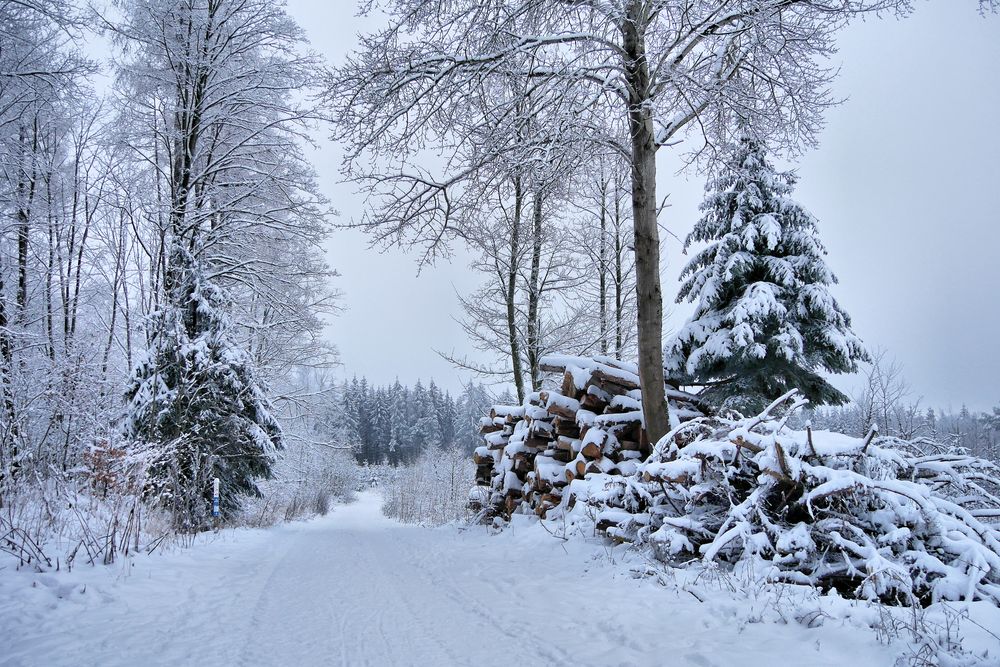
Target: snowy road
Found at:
x=354, y=588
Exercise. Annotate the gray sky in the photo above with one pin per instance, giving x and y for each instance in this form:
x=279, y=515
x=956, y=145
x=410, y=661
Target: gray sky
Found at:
x=904, y=185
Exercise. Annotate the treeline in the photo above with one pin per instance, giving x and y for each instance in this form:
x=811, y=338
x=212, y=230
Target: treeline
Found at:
x=886, y=402
x=395, y=424
x=978, y=432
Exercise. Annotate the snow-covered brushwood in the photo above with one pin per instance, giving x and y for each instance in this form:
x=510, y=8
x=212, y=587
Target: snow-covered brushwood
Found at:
x=873, y=517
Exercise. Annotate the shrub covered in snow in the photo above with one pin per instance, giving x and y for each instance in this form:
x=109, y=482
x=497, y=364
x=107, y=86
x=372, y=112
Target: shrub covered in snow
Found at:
x=309, y=480
x=90, y=515
x=433, y=490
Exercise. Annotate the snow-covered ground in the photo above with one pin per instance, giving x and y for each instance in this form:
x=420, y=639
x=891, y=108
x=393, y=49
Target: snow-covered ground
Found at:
x=355, y=588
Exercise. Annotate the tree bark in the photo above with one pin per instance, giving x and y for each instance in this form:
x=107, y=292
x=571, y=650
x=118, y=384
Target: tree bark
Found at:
x=534, y=295
x=619, y=277
x=26, y=191
x=115, y=289
x=9, y=434
x=515, y=234
x=647, y=241
x=49, y=269
x=603, y=265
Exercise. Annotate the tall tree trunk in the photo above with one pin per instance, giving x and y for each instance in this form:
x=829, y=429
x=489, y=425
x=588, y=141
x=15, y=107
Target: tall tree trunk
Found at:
x=157, y=263
x=647, y=241
x=602, y=266
x=8, y=425
x=65, y=275
x=49, y=269
x=26, y=195
x=515, y=250
x=73, y=295
x=619, y=277
x=534, y=295
x=115, y=288
x=26, y=187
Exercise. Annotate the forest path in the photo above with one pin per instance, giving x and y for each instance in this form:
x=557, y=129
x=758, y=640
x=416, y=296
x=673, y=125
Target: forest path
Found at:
x=354, y=588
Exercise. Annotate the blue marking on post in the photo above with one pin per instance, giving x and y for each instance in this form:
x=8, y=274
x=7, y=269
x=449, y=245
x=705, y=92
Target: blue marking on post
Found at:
x=215, y=497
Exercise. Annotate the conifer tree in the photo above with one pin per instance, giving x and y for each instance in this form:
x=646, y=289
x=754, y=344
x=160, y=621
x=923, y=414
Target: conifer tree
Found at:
x=765, y=321
x=347, y=424
x=446, y=419
x=381, y=427
x=423, y=421
x=400, y=396
x=197, y=400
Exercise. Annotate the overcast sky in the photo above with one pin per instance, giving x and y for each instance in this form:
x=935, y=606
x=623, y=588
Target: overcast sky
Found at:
x=905, y=185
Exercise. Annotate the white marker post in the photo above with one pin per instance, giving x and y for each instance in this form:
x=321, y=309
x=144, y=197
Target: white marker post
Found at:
x=215, y=497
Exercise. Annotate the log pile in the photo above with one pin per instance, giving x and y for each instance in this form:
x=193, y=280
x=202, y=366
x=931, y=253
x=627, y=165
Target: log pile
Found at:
x=592, y=424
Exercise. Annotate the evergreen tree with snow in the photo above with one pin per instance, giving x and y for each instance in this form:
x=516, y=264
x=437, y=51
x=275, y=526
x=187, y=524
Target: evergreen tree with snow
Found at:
x=364, y=411
x=446, y=419
x=434, y=403
x=474, y=403
x=381, y=426
x=765, y=321
x=507, y=398
x=347, y=417
x=399, y=396
x=930, y=421
x=197, y=400
x=424, y=425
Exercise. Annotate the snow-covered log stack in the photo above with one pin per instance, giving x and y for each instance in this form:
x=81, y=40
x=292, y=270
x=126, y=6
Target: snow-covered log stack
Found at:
x=592, y=425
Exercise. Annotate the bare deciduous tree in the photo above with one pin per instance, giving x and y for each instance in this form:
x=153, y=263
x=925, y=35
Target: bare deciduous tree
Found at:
x=641, y=69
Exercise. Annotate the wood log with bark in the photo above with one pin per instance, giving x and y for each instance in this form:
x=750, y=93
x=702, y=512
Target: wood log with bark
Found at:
x=592, y=424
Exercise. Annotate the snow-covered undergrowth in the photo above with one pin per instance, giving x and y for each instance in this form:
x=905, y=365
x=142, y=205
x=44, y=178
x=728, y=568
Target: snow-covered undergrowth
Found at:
x=61, y=523
x=720, y=600
x=433, y=490
x=754, y=581
x=307, y=483
x=102, y=511
x=957, y=634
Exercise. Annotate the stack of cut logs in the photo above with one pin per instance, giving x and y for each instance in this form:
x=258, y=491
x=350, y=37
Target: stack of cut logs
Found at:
x=591, y=425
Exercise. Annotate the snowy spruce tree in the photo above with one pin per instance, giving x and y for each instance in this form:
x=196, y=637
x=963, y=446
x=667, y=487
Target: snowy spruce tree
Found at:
x=765, y=321
x=195, y=399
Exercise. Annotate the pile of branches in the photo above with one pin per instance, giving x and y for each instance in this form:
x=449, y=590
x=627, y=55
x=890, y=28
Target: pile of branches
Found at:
x=875, y=517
